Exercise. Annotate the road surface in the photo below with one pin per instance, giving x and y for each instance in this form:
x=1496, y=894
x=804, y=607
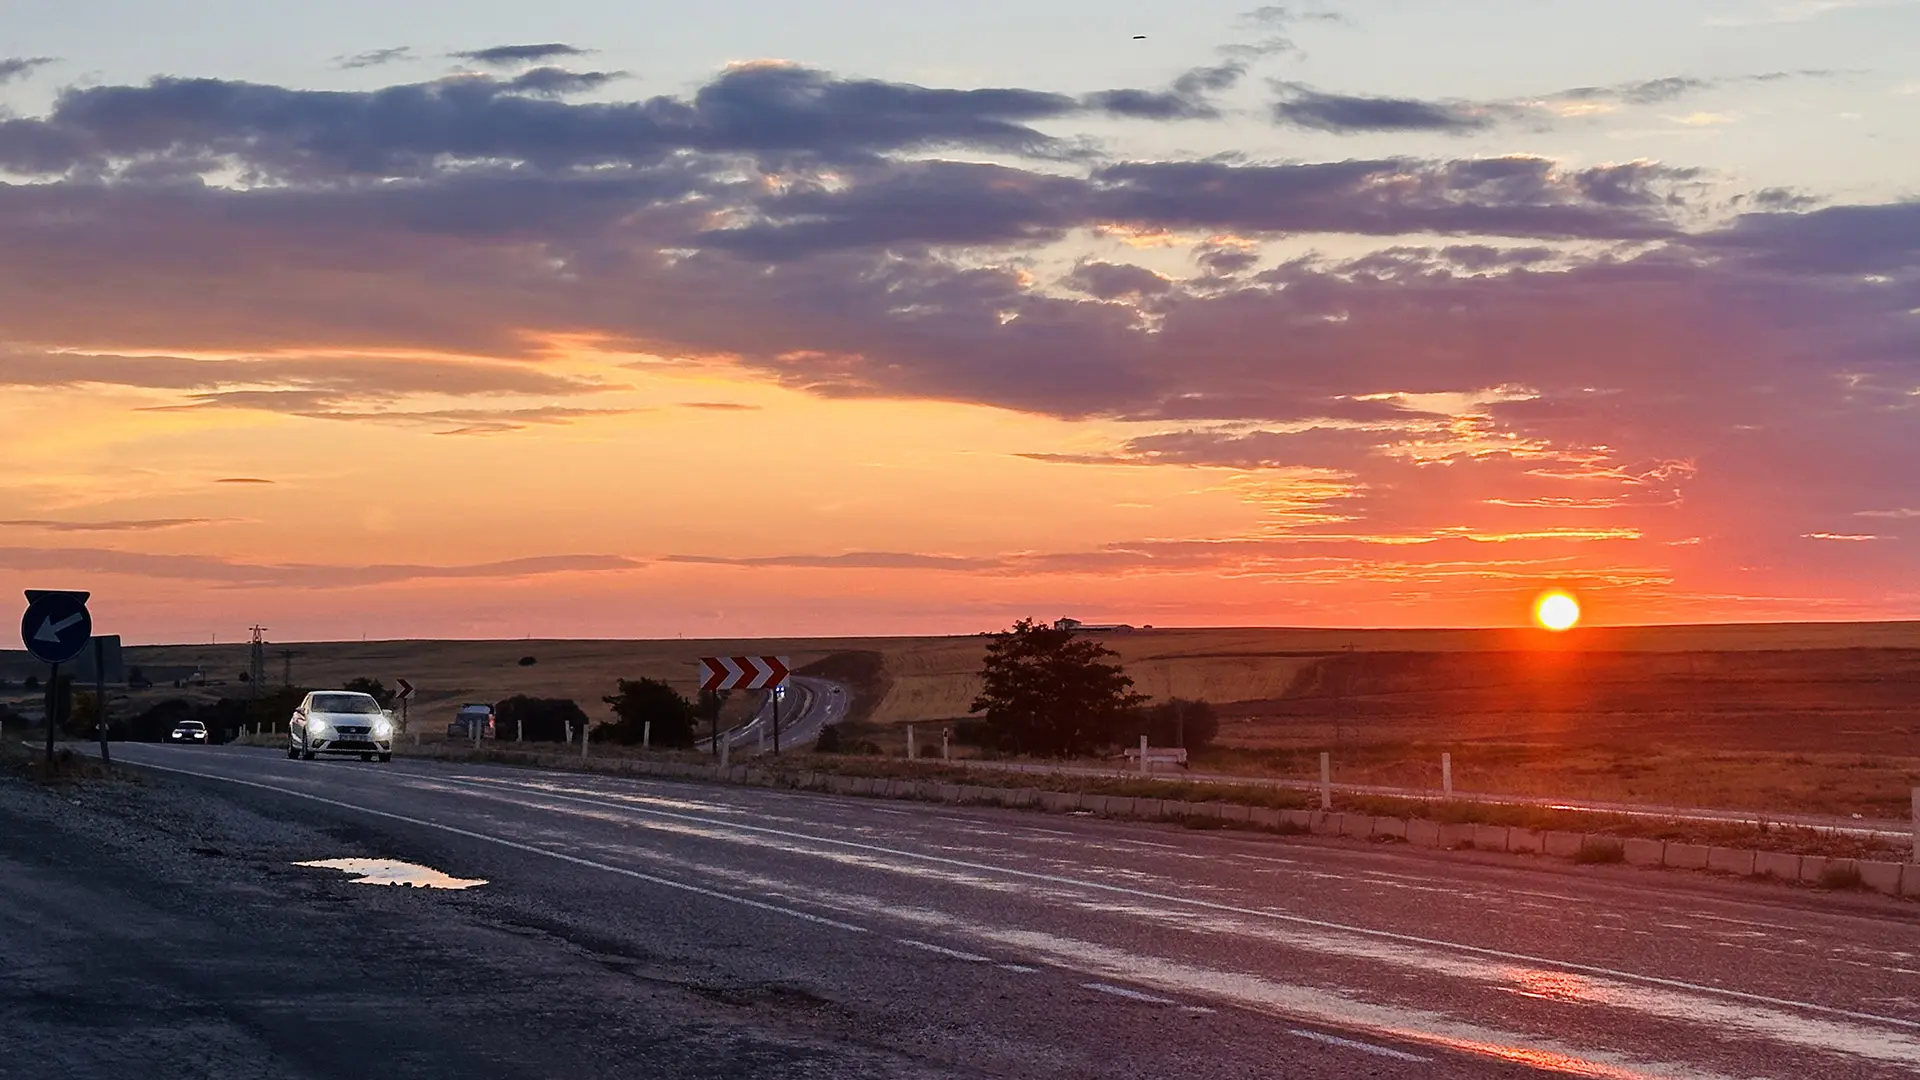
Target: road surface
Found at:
x=859, y=937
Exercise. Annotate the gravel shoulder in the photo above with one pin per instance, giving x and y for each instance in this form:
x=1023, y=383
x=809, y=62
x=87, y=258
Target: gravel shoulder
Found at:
x=147, y=929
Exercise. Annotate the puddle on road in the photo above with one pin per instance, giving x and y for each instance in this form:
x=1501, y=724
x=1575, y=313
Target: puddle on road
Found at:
x=393, y=872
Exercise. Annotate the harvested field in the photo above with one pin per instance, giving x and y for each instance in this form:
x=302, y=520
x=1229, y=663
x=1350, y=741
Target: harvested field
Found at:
x=1788, y=717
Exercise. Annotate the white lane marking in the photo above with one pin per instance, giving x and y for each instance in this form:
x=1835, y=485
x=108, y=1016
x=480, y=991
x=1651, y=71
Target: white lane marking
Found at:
x=1130, y=995
x=1355, y=1044
x=533, y=850
x=1299, y=920
x=942, y=950
x=1018, y=969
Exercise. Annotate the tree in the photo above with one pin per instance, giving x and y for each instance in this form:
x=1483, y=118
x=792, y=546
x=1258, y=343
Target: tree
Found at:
x=1046, y=692
x=640, y=702
x=32, y=683
x=374, y=689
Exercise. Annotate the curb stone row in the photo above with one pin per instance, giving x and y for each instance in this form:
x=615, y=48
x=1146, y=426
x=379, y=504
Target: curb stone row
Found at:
x=1886, y=878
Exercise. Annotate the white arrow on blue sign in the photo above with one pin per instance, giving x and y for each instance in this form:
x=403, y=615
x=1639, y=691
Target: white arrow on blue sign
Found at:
x=56, y=626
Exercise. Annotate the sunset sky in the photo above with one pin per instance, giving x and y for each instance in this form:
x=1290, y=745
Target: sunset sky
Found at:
x=746, y=318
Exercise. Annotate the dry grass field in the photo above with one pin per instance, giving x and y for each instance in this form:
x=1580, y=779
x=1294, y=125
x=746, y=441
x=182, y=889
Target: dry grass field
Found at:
x=1782, y=717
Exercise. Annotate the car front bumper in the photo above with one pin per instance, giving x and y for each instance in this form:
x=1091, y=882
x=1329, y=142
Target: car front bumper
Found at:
x=351, y=744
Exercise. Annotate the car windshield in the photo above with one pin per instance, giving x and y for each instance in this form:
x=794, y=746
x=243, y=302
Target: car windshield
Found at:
x=345, y=703
x=192, y=724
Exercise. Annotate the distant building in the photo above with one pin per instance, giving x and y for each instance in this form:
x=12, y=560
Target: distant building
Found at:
x=1091, y=628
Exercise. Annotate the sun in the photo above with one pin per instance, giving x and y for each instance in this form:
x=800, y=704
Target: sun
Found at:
x=1556, y=610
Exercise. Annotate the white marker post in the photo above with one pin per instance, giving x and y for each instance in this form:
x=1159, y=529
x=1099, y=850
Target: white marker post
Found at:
x=946, y=744
x=726, y=747
x=646, y=735
x=1446, y=774
x=1326, y=780
x=1916, y=824
x=584, y=729
x=1143, y=753
x=909, y=742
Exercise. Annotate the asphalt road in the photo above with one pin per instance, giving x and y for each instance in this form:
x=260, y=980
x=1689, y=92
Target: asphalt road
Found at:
x=839, y=937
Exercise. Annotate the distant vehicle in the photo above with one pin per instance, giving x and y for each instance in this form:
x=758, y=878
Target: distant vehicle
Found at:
x=188, y=731
x=468, y=717
x=340, y=722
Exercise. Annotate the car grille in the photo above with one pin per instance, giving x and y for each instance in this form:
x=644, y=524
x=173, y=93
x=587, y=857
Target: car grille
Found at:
x=355, y=730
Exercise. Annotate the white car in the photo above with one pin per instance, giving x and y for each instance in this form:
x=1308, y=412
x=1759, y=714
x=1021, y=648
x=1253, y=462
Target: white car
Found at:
x=188, y=731
x=340, y=722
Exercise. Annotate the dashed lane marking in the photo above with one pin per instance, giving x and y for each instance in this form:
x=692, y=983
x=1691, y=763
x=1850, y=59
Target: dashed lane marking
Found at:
x=1355, y=1044
x=942, y=950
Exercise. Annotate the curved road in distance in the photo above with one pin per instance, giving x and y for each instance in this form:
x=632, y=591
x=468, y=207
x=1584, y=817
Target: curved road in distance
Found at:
x=810, y=705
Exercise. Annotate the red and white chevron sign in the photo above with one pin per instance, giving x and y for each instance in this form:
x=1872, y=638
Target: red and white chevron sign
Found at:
x=742, y=672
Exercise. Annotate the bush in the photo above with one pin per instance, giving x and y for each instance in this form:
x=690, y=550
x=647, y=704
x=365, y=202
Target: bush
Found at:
x=1176, y=722
x=374, y=689
x=528, y=661
x=537, y=719
x=641, y=702
x=32, y=683
x=829, y=741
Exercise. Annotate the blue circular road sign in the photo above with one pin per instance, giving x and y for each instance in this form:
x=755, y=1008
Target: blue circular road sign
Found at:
x=56, y=626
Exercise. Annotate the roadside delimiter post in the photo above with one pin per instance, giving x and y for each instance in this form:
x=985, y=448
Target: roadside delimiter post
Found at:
x=1326, y=780
x=1446, y=774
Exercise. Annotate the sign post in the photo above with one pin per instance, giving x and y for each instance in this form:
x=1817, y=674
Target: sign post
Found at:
x=55, y=628
x=747, y=673
x=406, y=691
x=100, y=696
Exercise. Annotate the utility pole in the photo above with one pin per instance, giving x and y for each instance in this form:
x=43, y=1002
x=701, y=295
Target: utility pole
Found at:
x=286, y=671
x=257, y=661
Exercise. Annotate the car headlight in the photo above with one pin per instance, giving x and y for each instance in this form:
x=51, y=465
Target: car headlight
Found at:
x=317, y=727
x=383, y=729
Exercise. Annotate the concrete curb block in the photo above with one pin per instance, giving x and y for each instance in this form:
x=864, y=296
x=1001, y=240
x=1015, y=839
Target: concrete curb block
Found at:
x=1735, y=861
x=1685, y=856
x=1641, y=852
